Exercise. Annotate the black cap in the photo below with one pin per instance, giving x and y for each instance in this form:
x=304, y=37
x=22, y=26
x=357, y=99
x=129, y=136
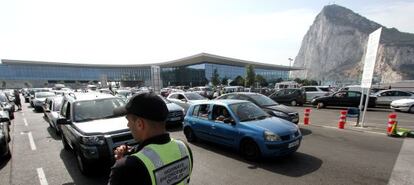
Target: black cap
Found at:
x=146, y=105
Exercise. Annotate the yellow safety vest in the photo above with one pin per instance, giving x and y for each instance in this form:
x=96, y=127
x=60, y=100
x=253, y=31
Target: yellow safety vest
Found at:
x=168, y=163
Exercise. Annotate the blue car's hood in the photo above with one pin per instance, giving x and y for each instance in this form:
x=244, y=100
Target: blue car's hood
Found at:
x=275, y=125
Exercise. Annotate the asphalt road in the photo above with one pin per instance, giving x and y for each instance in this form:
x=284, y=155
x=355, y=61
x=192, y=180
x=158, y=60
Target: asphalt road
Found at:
x=326, y=156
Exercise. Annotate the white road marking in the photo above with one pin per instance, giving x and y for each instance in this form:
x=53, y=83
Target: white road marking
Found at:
x=25, y=122
x=31, y=141
x=403, y=169
x=42, y=177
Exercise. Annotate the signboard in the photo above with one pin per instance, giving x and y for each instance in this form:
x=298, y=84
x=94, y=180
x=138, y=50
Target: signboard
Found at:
x=370, y=58
x=156, y=82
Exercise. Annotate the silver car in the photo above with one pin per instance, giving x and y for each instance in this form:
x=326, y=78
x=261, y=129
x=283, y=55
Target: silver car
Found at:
x=51, y=110
x=39, y=99
x=385, y=97
x=185, y=99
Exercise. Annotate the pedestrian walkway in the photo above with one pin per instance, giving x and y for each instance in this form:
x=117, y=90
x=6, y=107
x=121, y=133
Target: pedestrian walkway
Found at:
x=403, y=172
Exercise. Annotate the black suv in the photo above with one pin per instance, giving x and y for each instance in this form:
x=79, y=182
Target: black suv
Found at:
x=266, y=104
x=92, y=130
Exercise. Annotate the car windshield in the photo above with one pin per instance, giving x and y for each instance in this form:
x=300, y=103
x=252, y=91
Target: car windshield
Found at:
x=263, y=100
x=96, y=109
x=44, y=94
x=194, y=96
x=248, y=111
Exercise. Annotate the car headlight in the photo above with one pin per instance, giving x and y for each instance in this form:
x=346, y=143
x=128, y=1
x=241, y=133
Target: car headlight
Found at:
x=270, y=136
x=93, y=140
x=280, y=114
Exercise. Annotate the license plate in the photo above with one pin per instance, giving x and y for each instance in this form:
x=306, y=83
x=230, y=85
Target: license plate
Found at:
x=175, y=119
x=293, y=144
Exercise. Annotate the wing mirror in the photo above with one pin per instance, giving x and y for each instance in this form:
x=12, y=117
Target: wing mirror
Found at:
x=62, y=121
x=229, y=121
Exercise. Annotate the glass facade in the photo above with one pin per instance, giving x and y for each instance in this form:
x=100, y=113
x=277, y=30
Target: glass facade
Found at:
x=192, y=75
x=200, y=74
x=72, y=73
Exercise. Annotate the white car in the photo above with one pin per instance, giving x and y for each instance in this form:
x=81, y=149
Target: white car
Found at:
x=39, y=99
x=185, y=99
x=405, y=105
x=385, y=97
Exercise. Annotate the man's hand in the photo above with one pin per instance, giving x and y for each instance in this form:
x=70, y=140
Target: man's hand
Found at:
x=120, y=151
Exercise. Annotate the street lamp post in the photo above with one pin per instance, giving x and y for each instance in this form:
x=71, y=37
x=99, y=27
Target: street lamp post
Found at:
x=290, y=64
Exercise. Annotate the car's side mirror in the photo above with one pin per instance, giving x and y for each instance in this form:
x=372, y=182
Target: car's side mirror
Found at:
x=62, y=121
x=4, y=119
x=229, y=121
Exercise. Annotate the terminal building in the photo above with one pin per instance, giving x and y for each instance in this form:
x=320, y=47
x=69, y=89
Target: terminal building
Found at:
x=196, y=70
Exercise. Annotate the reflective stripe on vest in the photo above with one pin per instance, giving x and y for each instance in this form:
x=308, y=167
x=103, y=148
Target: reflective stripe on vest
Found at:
x=168, y=163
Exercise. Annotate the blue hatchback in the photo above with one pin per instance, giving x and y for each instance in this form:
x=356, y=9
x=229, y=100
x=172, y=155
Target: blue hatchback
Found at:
x=243, y=126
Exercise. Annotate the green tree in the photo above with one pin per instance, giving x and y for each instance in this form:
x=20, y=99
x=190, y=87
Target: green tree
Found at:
x=239, y=81
x=224, y=80
x=215, y=79
x=261, y=80
x=250, y=75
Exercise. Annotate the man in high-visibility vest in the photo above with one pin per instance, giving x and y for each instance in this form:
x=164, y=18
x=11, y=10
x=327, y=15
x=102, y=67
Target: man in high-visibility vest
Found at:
x=158, y=159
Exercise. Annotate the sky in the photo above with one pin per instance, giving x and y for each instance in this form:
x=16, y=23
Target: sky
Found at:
x=142, y=32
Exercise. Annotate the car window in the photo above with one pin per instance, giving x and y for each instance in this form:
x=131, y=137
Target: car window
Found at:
x=387, y=93
x=340, y=95
x=310, y=89
x=324, y=89
x=401, y=93
x=174, y=96
x=201, y=111
x=96, y=109
x=181, y=97
x=248, y=111
x=353, y=94
x=194, y=96
x=220, y=113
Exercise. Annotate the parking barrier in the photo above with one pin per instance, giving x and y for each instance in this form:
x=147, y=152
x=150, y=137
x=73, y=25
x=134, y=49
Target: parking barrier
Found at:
x=342, y=119
x=392, y=124
x=306, y=116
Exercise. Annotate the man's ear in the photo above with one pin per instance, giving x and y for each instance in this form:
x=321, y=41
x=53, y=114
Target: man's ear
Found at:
x=140, y=124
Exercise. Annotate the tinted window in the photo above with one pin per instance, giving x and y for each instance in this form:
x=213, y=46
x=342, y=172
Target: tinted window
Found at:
x=340, y=94
x=248, y=111
x=401, y=93
x=310, y=89
x=96, y=109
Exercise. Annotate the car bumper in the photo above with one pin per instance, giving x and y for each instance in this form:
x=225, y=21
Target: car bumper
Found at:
x=401, y=108
x=271, y=149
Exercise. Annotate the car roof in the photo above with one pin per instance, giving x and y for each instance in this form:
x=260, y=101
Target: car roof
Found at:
x=222, y=102
x=244, y=93
x=88, y=96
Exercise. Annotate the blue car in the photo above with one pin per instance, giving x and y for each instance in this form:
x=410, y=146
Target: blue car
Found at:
x=241, y=125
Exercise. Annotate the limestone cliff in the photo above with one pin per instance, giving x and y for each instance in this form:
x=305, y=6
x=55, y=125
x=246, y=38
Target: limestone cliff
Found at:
x=333, y=49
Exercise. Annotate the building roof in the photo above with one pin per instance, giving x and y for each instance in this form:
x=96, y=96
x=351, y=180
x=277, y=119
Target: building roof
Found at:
x=190, y=60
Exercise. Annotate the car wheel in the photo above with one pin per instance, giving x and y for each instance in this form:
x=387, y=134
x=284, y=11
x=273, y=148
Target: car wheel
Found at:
x=84, y=166
x=65, y=143
x=250, y=150
x=293, y=103
x=411, y=110
x=189, y=135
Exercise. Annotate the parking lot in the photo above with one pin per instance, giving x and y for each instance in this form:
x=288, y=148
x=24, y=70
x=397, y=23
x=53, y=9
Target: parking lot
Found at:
x=327, y=155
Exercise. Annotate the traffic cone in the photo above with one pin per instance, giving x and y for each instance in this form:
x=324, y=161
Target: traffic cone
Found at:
x=392, y=125
x=306, y=116
x=342, y=119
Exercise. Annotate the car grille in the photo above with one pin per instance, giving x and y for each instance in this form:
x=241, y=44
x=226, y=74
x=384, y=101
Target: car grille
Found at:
x=174, y=114
x=116, y=140
x=289, y=136
x=293, y=115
